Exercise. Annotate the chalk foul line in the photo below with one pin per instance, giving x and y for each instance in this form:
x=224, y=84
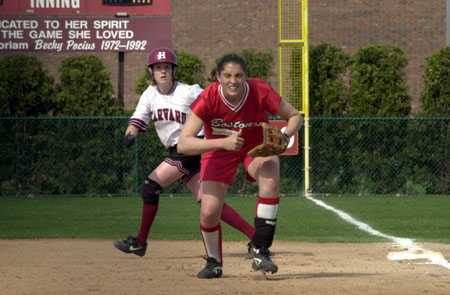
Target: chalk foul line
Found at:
x=413, y=251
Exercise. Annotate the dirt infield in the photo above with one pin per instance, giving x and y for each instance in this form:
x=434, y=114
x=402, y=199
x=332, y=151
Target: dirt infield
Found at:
x=170, y=267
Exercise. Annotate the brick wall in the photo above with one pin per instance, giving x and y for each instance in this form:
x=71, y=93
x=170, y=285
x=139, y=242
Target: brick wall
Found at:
x=210, y=28
x=417, y=27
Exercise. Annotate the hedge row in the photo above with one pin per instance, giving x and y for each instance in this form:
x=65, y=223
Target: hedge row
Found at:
x=84, y=156
x=371, y=82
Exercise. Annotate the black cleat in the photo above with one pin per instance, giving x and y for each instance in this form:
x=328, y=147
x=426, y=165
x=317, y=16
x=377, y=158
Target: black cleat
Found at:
x=251, y=251
x=262, y=261
x=131, y=245
x=212, y=269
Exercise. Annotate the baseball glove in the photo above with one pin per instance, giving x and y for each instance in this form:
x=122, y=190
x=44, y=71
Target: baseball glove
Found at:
x=275, y=142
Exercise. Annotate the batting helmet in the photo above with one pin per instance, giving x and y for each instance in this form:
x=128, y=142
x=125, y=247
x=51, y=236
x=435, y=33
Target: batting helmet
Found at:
x=161, y=54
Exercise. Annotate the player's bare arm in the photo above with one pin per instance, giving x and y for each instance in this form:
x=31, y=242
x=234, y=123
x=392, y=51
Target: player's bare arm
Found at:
x=190, y=144
x=292, y=116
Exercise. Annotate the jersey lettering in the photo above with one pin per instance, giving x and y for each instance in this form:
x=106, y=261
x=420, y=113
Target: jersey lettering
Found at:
x=166, y=112
x=178, y=116
x=169, y=115
x=160, y=115
x=238, y=124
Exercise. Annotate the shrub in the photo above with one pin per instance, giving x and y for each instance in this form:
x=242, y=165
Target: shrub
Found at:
x=327, y=90
x=436, y=93
x=85, y=88
x=259, y=63
x=378, y=86
x=25, y=88
x=190, y=69
x=142, y=83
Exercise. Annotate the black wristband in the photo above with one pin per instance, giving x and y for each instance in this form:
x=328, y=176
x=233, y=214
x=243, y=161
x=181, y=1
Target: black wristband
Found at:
x=287, y=137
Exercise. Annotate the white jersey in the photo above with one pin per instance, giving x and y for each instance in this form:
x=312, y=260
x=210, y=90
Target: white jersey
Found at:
x=169, y=112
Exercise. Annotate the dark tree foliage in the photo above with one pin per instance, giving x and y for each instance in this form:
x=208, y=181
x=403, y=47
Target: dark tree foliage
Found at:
x=25, y=88
x=143, y=82
x=328, y=92
x=259, y=63
x=435, y=96
x=191, y=69
x=378, y=86
x=85, y=88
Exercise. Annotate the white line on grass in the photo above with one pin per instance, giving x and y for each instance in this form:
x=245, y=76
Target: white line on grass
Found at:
x=413, y=251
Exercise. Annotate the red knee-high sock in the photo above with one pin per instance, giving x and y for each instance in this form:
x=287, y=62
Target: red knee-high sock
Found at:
x=212, y=240
x=230, y=216
x=148, y=214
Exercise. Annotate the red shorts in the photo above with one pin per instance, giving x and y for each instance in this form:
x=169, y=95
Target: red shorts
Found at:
x=221, y=165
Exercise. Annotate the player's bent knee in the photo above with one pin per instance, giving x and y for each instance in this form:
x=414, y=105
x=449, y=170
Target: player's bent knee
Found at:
x=150, y=192
x=209, y=217
x=269, y=186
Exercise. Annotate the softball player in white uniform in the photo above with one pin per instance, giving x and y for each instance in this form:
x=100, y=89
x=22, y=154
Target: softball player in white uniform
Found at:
x=167, y=103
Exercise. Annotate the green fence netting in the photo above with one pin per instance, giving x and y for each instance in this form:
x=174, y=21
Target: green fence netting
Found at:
x=71, y=156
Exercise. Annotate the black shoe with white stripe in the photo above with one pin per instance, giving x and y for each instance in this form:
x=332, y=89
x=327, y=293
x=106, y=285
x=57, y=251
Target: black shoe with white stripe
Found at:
x=262, y=261
x=212, y=269
x=131, y=245
x=251, y=251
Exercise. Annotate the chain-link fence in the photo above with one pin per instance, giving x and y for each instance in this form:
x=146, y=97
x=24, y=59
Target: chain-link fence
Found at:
x=84, y=156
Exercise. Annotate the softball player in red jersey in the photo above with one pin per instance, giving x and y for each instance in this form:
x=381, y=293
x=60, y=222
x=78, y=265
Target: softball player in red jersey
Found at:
x=229, y=112
x=167, y=103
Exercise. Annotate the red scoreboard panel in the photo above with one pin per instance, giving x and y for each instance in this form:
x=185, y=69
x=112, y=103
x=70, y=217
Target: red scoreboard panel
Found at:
x=90, y=7
x=127, y=2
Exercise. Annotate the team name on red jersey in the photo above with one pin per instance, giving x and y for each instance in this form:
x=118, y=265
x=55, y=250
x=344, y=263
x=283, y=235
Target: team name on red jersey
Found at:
x=238, y=124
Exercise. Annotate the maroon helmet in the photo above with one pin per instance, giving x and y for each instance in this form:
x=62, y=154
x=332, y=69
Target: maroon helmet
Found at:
x=161, y=54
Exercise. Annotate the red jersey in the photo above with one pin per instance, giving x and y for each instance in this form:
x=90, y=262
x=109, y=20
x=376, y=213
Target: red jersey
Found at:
x=222, y=119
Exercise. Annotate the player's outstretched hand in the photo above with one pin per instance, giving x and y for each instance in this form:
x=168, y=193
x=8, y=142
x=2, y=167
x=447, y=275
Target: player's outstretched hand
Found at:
x=234, y=142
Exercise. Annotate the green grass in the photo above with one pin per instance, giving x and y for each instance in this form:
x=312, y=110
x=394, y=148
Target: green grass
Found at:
x=423, y=218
